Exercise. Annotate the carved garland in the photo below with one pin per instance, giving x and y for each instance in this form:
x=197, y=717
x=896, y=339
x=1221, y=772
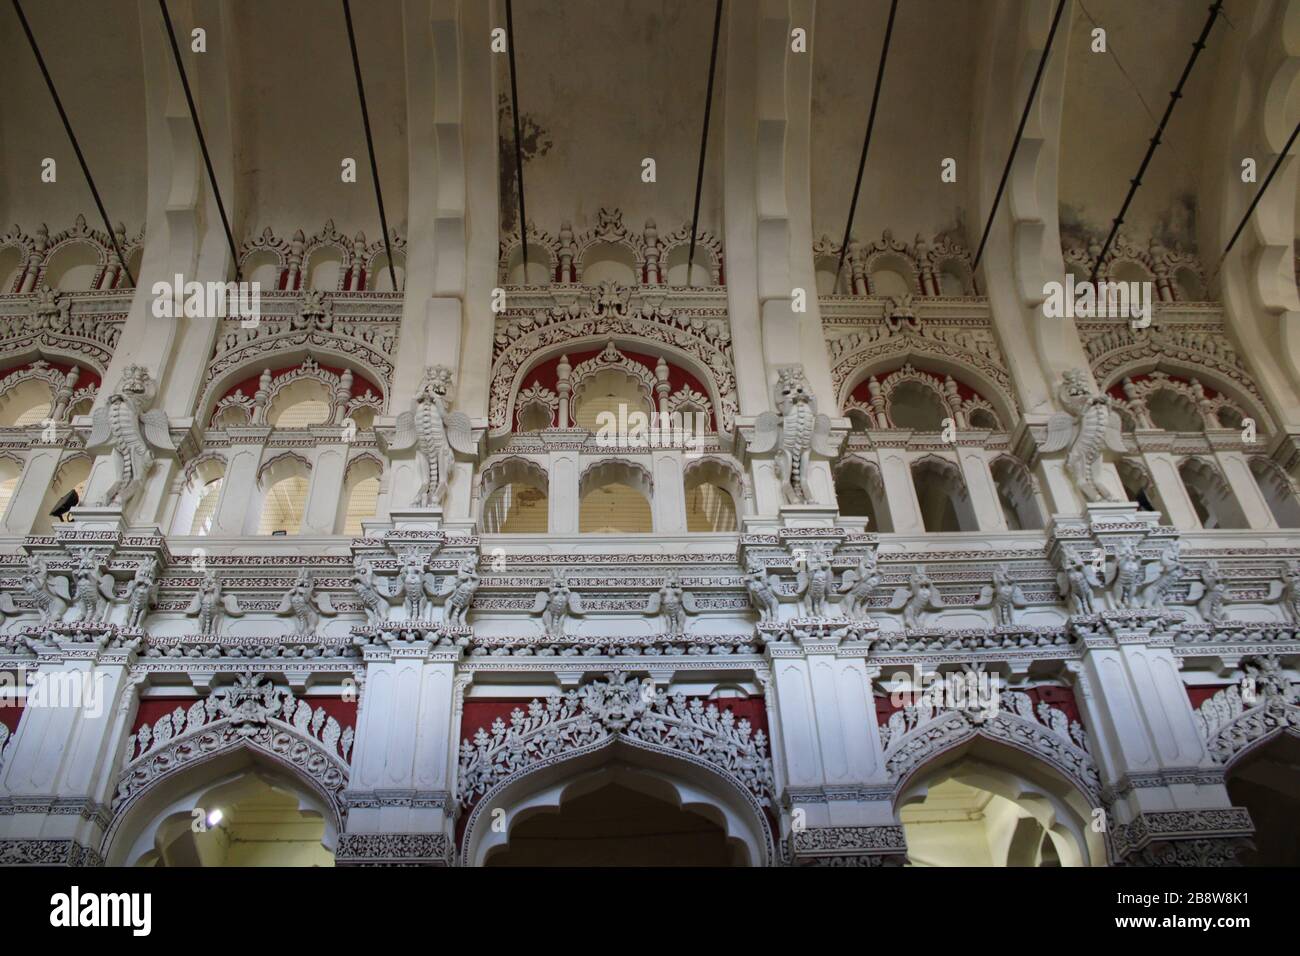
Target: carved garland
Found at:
x=1230, y=727
x=916, y=734
x=65, y=326
x=520, y=340
x=252, y=712
x=617, y=707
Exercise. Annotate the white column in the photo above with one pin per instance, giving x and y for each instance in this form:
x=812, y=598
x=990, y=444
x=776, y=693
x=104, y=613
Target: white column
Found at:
x=325, y=491
x=1173, y=493
x=983, y=493
x=237, y=511
x=562, y=499
x=1245, y=489
x=900, y=493
x=669, y=505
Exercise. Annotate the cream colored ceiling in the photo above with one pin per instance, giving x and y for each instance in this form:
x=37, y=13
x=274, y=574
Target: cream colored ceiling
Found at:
x=604, y=84
x=92, y=49
x=1113, y=102
x=923, y=116
x=298, y=116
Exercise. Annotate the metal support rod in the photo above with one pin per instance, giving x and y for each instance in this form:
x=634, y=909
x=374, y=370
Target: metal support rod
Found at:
x=1174, y=97
x=76, y=147
x=866, y=139
x=198, y=131
x=519, y=149
x=370, y=142
x=1020, y=130
x=1260, y=195
x=704, y=141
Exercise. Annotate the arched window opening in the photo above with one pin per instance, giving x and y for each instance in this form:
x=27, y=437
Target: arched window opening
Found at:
x=72, y=268
x=11, y=267
x=284, y=496
x=535, y=417
x=1267, y=783
x=263, y=268
x=860, y=492
x=540, y=269
x=973, y=812
x=616, y=825
x=941, y=494
x=1016, y=495
x=196, y=506
x=1128, y=271
x=377, y=277
x=252, y=819
x=325, y=267
x=1215, y=505
x=361, y=492
x=916, y=406
x=299, y=405
x=1138, y=486
x=827, y=282
x=614, y=498
x=709, y=508
x=1278, y=492
x=701, y=267
x=515, y=498
x=609, y=390
x=516, y=508
x=892, y=276
x=609, y=262
x=206, y=508
x=1174, y=412
x=27, y=403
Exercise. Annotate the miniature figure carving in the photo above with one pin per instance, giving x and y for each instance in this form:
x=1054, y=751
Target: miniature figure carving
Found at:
x=919, y=596
x=133, y=432
x=142, y=592
x=860, y=585
x=1088, y=425
x=555, y=604
x=305, y=605
x=762, y=592
x=1003, y=596
x=435, y=432
x=814, y=582
x=795, y=430
x=674, y=604
x=209, y=604
x=460, y=591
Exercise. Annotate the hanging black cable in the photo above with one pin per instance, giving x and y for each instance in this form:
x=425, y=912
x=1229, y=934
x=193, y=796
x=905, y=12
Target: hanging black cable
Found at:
x=704, y=141
x=866, y=139
x=1260, y=195
x=198, y=131
x=1174, y=97
x=1020, y=130
x=370, y=142
x=519, y=149
x=76, y=148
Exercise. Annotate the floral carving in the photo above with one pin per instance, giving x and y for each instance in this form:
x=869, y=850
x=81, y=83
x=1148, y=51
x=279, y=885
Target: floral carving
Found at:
x=619, y=706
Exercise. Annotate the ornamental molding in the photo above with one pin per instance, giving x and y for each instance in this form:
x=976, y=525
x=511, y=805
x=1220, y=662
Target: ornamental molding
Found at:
x=1194, y=345
x=393, y=849
x=1206, y=837
x=252, y=712
x=1239, y=718
x=294, y=255
x=39, y=250
x=856, y=352
x=47, y=853
x=79, y=327
x=343, y=403
x=649, y=250
x=699, y=340
x=618, y=707
x=916, y=734
x=848, y=846
x=1160, y=264
x=924, y=262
